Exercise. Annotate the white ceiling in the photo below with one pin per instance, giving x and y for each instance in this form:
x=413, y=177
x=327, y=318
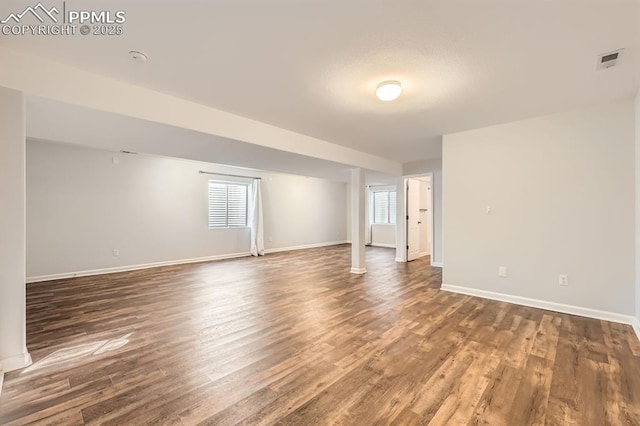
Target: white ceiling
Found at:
x=311, y=66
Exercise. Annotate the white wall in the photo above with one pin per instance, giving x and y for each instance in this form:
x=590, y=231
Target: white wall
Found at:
x=438, y=230
x=348, y=216
x=419, y=168
x=13, y=351
x=301, y=211
x=383, y=235
x=81, y=206
x=637, y=254
x=561, y=190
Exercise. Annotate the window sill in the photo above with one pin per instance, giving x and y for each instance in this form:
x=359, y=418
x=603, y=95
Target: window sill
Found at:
x=230, y=227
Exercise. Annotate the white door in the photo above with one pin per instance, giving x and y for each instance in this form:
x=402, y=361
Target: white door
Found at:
x=413, y=220
x=425, y=221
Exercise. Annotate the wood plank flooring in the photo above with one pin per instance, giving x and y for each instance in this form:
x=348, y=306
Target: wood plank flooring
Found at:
x=294, y=339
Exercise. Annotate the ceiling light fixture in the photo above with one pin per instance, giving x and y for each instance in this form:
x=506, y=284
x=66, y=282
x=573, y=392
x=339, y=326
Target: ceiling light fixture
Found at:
x=389, y=90
x=139, y=57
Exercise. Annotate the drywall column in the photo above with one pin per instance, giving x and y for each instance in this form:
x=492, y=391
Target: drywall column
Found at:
x=13, y=349
x=357, y=221
x=437, y=257
x=637, y=207
x=401, y=220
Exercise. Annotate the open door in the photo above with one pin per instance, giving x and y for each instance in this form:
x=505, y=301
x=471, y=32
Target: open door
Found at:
x=413, y=219
x=425, y=216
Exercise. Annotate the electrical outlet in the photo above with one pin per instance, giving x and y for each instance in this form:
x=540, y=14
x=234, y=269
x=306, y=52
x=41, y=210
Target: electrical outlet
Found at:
x=563, y=279
x=502, y=271
x=116, y=252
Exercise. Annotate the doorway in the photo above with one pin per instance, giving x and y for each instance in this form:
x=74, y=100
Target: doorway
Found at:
x=419, y=208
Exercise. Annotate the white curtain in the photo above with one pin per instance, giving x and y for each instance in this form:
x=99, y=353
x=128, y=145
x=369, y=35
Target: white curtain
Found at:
x=255, y=219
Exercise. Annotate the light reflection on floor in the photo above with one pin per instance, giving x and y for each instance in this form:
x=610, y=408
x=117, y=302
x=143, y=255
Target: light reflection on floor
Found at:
x=79, y=351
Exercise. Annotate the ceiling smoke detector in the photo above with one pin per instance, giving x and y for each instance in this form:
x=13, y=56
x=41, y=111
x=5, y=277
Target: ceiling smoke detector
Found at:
x=139, y=57
x=609, y=59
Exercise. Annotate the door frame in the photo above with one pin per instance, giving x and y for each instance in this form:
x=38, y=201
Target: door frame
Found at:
x=402, y=224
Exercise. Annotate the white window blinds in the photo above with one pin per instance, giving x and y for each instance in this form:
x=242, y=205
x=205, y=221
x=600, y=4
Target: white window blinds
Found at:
x=381, y=207
x=384, y=207
x=227, y=204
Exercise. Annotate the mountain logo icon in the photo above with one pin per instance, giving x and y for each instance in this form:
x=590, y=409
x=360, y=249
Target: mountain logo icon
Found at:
x=39, y=11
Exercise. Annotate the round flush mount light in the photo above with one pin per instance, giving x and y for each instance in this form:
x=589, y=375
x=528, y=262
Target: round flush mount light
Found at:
x=389, y=90
x=139, y=57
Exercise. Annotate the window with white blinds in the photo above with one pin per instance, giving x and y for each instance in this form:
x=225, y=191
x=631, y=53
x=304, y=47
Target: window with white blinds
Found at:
x=384, y=206
x=227, y=204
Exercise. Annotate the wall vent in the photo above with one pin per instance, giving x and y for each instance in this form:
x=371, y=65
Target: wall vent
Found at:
x=609, y=59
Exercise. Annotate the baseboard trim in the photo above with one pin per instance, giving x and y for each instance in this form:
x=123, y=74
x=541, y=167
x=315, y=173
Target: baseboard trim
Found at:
x=306, y=246
x=400, y=260
x=383, y=245
x=132, y=267
x=542, y=304
x=13, y=363
x=636, y=327
x=359, y=271
x=129, y=268
x=16, y=362
x=437, y=264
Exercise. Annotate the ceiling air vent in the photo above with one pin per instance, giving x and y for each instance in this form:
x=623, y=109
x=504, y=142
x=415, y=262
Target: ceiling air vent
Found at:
x=609, y=59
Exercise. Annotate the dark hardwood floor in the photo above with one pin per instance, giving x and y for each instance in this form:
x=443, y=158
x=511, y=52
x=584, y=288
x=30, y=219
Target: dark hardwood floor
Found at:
x=295, y=339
